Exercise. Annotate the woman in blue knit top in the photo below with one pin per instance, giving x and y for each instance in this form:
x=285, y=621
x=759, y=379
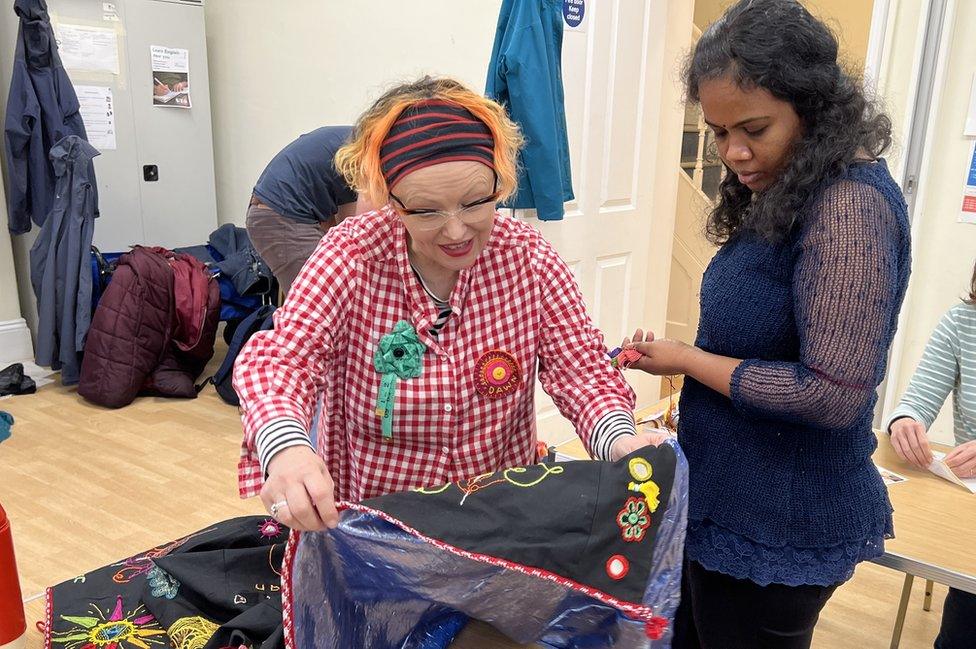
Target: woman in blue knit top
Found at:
x=798, y=309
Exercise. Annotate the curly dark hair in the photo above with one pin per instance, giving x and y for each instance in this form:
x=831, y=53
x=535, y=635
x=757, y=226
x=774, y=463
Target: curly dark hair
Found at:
x=778, y=45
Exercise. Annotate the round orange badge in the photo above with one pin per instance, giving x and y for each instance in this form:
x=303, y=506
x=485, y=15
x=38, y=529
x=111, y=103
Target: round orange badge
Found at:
x=498, y=374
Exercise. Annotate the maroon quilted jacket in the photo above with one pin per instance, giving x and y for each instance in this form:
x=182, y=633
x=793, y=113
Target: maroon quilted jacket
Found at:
x=153, y=331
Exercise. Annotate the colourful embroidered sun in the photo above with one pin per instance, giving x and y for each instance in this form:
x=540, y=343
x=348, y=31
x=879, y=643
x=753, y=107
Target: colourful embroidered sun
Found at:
x=120, y=630
x=270, y=528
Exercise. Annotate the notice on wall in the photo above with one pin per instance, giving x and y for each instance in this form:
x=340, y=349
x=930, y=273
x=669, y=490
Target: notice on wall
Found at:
x=98, y=113
x=94, y=49
x=574, y=15
x=110, y=12
x=171, y=76
x=968, y=213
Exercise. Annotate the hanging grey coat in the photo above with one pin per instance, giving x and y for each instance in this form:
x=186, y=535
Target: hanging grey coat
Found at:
x=60, y=261
x=42, y=108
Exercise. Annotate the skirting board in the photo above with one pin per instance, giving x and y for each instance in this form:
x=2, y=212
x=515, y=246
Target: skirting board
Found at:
x=15, y=342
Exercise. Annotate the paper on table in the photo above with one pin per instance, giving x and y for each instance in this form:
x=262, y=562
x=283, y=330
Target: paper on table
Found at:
x=890, y=477
x=939, y=468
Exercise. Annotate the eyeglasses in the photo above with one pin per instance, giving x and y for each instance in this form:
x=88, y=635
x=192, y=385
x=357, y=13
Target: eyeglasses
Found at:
x=469, y=214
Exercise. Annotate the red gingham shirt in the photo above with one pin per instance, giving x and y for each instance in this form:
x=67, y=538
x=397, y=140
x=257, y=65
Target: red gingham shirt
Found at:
x=519, y=297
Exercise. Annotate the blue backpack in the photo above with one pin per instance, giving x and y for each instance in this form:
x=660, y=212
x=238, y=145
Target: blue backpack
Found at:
x=258, y=320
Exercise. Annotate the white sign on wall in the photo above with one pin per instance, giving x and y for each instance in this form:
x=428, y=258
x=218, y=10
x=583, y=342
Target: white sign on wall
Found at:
x=97, y=110
x=574, y=15
x=94, y=49
x=968, y=212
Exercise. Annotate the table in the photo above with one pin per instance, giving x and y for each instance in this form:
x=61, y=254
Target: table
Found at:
x=929, y=543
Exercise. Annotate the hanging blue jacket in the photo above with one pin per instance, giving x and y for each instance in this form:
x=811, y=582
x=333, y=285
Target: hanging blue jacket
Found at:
x=42, y=108
x=525, y=74
x=60, y=261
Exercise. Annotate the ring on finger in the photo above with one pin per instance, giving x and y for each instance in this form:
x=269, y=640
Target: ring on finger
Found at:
x=277, y=506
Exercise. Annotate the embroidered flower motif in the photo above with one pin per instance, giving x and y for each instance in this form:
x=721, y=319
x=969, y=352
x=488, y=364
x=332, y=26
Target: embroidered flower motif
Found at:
x=162, y=584
x=633, y=519
x=498, y=374
x=270, y=528
x=400, y=352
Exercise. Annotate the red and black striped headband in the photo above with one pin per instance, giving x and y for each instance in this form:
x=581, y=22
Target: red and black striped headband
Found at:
x=431, y=132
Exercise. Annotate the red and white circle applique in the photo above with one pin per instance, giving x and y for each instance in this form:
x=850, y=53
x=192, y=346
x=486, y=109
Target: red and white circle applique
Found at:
x=618, y=567
x=498, y=374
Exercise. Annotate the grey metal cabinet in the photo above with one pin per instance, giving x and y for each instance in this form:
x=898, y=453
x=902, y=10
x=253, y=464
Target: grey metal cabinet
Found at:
x=157, y=187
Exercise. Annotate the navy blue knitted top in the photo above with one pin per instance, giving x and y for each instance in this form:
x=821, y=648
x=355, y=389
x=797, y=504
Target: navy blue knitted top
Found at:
x=783, y=489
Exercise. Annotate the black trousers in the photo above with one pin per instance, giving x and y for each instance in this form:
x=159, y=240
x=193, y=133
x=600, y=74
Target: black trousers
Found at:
x=958, y=629
x=722, y=612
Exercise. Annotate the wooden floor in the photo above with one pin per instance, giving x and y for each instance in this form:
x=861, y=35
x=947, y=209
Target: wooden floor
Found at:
x=84, y=486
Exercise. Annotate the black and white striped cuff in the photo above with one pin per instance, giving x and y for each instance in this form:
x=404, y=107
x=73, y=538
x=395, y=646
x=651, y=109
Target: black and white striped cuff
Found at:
x=611, y=427
x=278, y=435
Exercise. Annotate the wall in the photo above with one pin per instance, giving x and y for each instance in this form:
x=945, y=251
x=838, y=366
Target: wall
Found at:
x=13, y=292
x=849, y=19
x=944, y=250
x=338, y=58
x=9, y=303
x=305, y=81
x=15, y=339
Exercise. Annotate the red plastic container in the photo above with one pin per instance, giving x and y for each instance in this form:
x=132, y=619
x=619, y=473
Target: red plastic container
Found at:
x=13, y=626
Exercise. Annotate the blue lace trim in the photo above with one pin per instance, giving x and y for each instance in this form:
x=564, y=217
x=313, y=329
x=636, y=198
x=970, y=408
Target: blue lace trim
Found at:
x=721, y=550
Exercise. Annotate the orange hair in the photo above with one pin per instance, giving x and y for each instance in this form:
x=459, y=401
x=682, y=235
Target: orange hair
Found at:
x=359, y=159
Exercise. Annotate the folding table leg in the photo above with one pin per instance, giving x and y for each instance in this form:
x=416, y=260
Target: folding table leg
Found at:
x=906, y=593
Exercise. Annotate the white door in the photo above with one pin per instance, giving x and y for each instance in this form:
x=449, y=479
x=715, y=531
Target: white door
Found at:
x=619, y=86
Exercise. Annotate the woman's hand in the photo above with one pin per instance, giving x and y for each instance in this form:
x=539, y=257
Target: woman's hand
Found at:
x=962, y=460
x=662, y=357
x=668, y=357
x=639, y=337
x=630, y=443
x=910, y=442
x=299, y=491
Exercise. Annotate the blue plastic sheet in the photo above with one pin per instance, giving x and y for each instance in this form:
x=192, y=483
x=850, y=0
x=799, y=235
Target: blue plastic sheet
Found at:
x=373, y=583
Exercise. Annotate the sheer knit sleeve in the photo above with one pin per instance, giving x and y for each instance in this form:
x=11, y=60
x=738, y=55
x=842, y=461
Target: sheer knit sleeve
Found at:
x=846, y=296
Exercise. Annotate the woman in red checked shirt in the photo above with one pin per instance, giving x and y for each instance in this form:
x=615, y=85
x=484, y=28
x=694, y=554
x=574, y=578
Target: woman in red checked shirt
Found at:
x=420, y=325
